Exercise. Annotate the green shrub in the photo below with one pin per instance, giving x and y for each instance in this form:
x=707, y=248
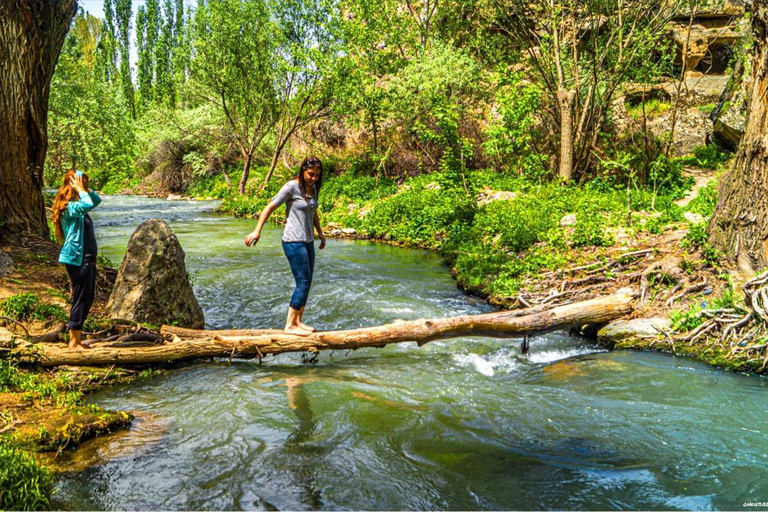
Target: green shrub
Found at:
x=26, y=306
x=707, y=157
x=706, y=200
x=696, y=238
x=23, y=484
x=590, y=231
x=210, y=186
x=687, y=320
x=653, y=108
x=514, y=225
x=419, y=216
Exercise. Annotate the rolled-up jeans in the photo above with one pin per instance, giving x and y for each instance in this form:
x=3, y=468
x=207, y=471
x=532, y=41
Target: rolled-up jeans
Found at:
x=301, y=257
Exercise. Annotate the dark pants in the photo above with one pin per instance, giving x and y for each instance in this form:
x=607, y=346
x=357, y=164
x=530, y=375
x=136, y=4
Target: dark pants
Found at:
x=83, y=290
x=301, y=257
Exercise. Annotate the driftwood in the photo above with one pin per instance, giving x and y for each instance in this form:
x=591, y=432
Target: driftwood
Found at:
x=187, y=344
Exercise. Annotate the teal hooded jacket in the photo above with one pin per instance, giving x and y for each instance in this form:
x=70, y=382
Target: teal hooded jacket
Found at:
x=73, y=226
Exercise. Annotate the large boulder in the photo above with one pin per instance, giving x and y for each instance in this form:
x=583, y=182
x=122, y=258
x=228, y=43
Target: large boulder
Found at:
x=152, y=284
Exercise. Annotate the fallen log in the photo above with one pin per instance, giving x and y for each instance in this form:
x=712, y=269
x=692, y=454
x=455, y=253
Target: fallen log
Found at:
x=188, y=344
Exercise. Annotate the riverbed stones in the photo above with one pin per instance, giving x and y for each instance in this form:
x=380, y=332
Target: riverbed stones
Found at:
x=152, y=284
x=620, y=330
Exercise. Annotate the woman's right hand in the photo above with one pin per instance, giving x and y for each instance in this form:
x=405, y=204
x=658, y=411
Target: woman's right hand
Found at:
x=252, y=238
x=77, y=183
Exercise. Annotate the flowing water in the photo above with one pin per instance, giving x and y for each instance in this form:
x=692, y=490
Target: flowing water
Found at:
x=463, y=424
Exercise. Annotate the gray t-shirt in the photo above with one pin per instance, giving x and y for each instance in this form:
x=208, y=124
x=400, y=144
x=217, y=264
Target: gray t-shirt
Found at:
x=299, y=213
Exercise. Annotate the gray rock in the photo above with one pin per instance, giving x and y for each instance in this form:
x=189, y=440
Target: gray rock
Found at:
x=568, y=220
x=636, y=328
x=152, y=283
x=693, y=218
x=348, y=231
x=6, y=264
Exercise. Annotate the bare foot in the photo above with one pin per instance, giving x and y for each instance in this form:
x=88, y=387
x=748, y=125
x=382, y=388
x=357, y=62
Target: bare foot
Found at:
x=80, y=346
x=296, y=330
x=306, y=327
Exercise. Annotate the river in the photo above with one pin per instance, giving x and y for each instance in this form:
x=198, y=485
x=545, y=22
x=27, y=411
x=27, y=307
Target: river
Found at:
x=462, y=424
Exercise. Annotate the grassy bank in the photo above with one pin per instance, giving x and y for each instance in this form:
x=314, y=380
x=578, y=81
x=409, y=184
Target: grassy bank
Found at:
x=43, y=411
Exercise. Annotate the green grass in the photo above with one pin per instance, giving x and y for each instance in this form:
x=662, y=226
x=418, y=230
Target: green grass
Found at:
x=24, y=485
x=653, y=108
x=27, y=306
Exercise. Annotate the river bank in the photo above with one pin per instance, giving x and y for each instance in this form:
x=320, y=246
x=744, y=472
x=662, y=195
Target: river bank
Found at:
x=381, y=273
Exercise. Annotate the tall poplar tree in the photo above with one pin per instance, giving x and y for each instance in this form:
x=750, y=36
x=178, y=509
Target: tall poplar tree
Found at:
x=124, y=17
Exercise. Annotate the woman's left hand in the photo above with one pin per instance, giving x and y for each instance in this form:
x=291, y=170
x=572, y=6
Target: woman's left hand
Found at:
x=322, y=242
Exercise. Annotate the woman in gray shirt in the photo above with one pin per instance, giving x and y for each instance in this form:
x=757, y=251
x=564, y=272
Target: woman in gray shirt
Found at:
x=300, y=198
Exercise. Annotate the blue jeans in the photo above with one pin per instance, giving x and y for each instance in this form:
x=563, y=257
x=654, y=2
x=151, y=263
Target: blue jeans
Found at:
x=301, y=256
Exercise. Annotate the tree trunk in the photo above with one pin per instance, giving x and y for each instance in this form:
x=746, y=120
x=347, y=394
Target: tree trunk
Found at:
x=273, y=164
x=31, y=37
x=246, y=171
x=190, y=344
x=566, y=100
x=739, y=225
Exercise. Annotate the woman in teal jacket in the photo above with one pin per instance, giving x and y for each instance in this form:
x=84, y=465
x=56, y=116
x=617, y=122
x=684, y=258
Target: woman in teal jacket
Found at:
x=73, y=227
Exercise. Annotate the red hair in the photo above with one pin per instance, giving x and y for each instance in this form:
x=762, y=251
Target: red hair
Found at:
x=65, y=194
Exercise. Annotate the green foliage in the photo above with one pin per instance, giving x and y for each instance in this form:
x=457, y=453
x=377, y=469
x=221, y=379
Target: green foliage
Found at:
x=708, y=108
x=514, y=225
x=686, y=320
x=707, y=157
x=24, y=485
x=419, y=216
x=652, y=108
x=89, y=121
x=696, y=238
x=511, y=137
x=590, y=232
x=26, y=306
x=706, y=200
x=430, y=98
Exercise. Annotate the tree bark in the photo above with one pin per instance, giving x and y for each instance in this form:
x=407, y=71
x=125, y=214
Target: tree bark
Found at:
x=188, y=344
x=31, y=37
x=739, y=225
x=246, y=171
x=566, y=100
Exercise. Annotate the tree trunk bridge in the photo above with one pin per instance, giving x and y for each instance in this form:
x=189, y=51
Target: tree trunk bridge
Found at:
x=189, y=344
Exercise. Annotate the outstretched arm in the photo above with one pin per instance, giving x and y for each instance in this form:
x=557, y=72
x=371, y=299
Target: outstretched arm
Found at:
x=319, y=228
x=253, y=238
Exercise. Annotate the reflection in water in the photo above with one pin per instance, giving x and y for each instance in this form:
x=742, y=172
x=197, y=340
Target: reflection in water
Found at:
x=303, y=467
x=463, y=424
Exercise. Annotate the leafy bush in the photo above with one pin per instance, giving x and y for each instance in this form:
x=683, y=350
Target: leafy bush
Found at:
x=706, y=200
x=419, y=216
x=514, y=225
x=696, y=238
x=26, y=306
x=23, y=484
x=688, y=320
x=510, y=139
x=707, y=157
x=590, y=231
